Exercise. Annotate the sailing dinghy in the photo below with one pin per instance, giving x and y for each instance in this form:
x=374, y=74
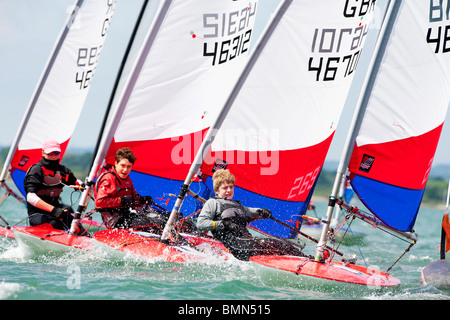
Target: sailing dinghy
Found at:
x=263, y=115
x=394, y=135
x=188, y=63
x=275, y=137
x=437, y=273
x=152, y=121
x=59, y=97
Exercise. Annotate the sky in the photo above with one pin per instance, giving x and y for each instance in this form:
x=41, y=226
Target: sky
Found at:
x=28, y=32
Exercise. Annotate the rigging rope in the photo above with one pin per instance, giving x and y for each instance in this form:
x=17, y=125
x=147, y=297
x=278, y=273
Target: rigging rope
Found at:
x=355, y=212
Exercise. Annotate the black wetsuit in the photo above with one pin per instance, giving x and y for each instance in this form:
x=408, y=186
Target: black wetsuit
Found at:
x=46, y=179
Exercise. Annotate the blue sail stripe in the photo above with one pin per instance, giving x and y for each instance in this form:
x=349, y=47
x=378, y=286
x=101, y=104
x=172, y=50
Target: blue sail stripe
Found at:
x=161, y=188
x=162, y=191
x=397, y=207
x=286, y=211
x=18, y=177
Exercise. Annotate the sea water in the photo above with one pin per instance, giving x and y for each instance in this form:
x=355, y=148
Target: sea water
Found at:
x=97, y=274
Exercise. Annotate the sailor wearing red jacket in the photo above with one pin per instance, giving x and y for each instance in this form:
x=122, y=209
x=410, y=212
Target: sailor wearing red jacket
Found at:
x=115, y=195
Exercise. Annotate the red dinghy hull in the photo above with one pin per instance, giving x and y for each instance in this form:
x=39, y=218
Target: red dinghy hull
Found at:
x=5, y=232
x=328, y=271
x=44, y=238
x=206, y=244
x=149, y=246
x=87, y=224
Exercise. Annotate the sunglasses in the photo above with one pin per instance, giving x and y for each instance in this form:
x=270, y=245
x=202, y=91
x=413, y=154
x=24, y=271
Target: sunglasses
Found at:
x=54, y=153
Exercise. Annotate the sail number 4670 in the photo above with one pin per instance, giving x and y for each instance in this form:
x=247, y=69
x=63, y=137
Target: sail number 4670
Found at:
x=304, y=183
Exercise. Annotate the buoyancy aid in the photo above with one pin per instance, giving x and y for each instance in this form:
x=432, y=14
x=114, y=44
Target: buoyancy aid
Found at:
x=233, y=210
x=107, y=196
x=102, y=175
x=47, y=178
x=227, y=204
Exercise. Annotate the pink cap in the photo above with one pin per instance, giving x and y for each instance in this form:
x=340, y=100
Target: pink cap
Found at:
x=51, y=146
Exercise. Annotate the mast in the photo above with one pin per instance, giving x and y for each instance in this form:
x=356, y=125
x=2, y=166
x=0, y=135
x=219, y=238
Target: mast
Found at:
x=38, y=90
x=385, y=32
x=210, y=136
x=116, y=116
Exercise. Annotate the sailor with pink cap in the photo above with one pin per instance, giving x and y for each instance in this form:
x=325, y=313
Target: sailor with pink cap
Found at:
x=43, y=184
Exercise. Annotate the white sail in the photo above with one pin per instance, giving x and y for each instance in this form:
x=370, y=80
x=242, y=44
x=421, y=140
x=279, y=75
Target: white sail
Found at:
x=59, y=97
x=287, y=105
x=190, y=59
x=400, y=114
x=397, y=140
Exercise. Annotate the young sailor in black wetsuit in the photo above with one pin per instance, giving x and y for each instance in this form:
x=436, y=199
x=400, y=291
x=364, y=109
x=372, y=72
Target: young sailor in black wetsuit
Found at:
x=43, y=185
x=227, y=220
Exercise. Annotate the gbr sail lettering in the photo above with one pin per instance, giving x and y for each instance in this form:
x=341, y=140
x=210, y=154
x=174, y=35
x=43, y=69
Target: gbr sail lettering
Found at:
x=87, y=57
x=231, y=32
x=439, y=35
x=336, y=51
